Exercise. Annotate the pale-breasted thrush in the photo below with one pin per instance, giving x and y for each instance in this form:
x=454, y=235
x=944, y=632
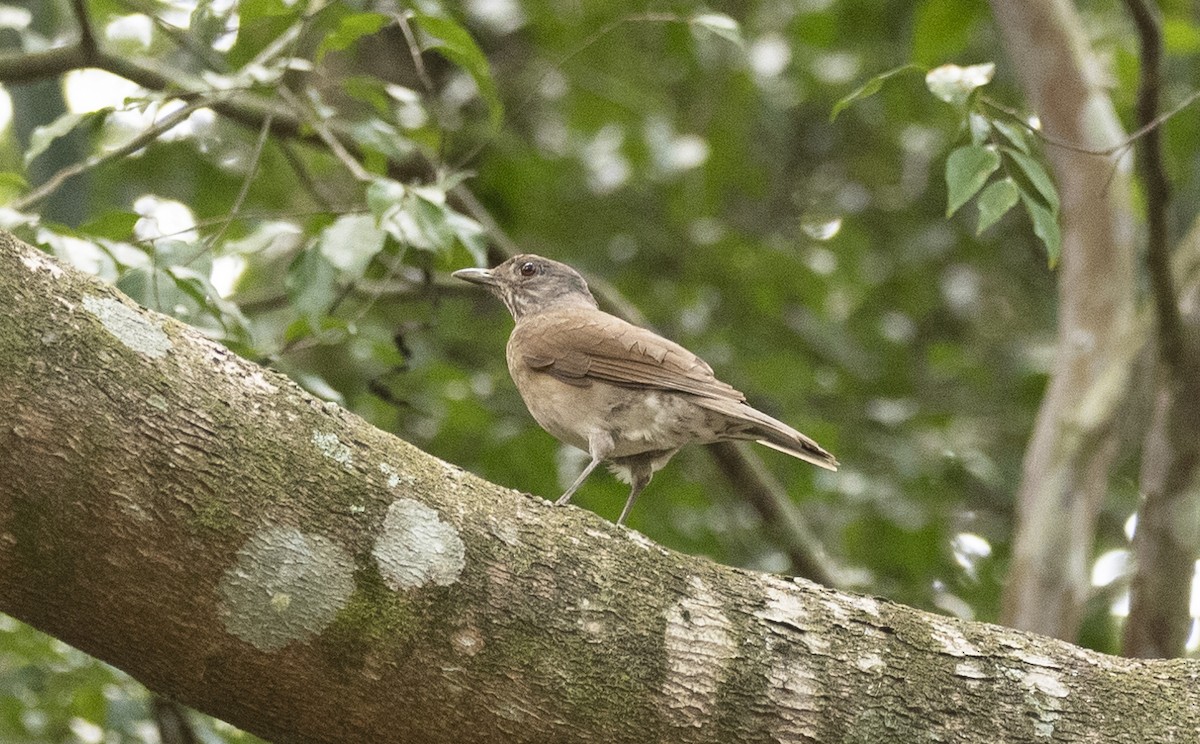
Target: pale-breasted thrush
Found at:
x=623, y=394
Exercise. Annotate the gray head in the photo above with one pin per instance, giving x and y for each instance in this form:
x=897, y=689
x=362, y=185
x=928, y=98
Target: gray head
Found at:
x=529, y=284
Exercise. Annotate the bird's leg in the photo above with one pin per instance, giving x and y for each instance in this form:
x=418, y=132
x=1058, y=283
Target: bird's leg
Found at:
x=640, y=475
x=600, y=444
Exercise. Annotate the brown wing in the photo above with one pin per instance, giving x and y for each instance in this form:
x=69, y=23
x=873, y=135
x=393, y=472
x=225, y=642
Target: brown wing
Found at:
x=581, y=345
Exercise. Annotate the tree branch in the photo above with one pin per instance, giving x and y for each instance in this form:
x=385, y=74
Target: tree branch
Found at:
x=257, y=113
x=1171, y=341
x=309, y=578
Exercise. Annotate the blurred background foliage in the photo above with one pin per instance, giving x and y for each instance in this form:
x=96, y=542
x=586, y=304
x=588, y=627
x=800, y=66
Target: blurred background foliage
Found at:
x=681, y=155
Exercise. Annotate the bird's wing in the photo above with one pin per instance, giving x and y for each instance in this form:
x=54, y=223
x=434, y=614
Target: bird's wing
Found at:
x=580, y=346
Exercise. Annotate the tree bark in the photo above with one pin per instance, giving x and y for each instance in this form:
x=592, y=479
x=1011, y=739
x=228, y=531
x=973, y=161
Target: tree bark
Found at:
x=1067, y=462
x=273, y=560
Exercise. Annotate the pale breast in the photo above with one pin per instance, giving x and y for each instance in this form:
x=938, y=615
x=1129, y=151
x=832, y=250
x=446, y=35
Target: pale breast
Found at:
x=639, y=420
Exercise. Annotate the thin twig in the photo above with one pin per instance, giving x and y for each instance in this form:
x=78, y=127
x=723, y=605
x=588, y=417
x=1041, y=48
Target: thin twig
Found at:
x=304, y=177
x=414, y=50
x=87, y=37
x=232, y=213
x=327, y=136
x=1118, y=149
x=182, y=38
x=1158, y=188
x=135, y=144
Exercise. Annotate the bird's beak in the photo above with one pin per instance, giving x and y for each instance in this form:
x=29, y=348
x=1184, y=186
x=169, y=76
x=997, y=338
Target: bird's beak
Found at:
x=476, y=276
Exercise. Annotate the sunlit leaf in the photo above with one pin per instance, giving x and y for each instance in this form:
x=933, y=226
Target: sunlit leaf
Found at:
x=350, y=29
x=721, y=25
x=111, y=225
x=431, y=219
x=955, y=84
x=995, y=201
x=42, y=137
x=869, y=88
x=351, y=242
x=967, y=170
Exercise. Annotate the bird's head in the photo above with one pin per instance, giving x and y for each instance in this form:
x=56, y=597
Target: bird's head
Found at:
x=530, y=284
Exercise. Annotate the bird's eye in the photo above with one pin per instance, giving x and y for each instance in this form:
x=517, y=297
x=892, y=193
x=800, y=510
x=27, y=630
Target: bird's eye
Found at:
x=529, y=268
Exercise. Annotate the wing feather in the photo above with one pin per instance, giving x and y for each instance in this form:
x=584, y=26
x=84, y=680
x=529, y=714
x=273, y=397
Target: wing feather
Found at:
x=583, y=345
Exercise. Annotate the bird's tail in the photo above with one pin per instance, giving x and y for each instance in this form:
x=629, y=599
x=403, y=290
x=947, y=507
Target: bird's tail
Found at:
x=750, y=423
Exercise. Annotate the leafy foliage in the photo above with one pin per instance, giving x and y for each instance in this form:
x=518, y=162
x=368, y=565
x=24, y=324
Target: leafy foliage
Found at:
x=709, y=168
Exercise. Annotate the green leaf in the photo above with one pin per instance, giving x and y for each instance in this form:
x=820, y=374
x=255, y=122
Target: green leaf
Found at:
x=955, y=84
x=42, y=137
x=384, y=196
x=1015, y=135
x=967, y=169
x=721, y=25
x=432, y=221
x=869, y=88
x=350, y=29
x=260, y=22
x=351, y=242
x=995, y=201
x=471, y=234
x=311, y=284
x=453, y=42
x=1045, y=226
x=111, y=225
x=1036, y=176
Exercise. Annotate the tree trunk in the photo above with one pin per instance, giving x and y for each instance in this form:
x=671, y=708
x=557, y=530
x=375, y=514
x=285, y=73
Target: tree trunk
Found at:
x=273, y=560
x=1066, y=467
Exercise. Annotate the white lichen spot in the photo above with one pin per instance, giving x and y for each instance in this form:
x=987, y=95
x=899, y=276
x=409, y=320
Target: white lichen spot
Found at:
x=951, y=640
x=1044, y=691
x=640, y=540
x=862, y=603
x=330, y=446
x=1039, y=661
x=784, y=605
x=970, y=670
x=1047, y=683
x=870, y=663
x=39, y=262
x=259, y=381
x=816, y=643
x=505, y=533
x=591, y=618
x=154, y=400
x=467, y=640
x=393, y=478
x=416, y=547
x=699, y=647
x=286, y=586
x=131, y=328
x=796, y=691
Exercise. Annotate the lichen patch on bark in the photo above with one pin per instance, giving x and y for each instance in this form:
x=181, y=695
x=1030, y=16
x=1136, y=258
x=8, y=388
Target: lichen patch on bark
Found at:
x=328, y=444
x=700, y=647
x=286, y=586
x=416, y=547
x=131, y=328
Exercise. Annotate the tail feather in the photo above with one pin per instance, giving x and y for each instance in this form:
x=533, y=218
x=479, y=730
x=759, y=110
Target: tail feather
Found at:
x=751, y=423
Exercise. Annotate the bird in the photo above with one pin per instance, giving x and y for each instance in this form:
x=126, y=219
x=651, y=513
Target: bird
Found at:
x=621, y=393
